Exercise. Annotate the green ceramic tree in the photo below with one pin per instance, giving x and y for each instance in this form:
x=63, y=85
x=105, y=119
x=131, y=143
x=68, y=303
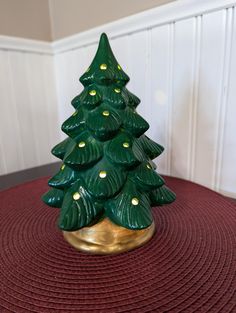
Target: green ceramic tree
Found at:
x=107, y=169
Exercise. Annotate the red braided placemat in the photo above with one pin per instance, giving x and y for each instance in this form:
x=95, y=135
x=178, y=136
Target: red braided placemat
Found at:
x=189, y=265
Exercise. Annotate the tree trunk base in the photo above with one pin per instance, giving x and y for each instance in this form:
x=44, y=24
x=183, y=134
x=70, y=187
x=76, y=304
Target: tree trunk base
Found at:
x=106, y=237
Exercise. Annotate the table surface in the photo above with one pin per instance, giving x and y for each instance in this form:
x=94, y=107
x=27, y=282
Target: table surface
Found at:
x=188, y=266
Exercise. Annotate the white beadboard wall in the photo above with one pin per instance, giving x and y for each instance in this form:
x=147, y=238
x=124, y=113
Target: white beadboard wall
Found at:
x=181, y=59
x=29, y=113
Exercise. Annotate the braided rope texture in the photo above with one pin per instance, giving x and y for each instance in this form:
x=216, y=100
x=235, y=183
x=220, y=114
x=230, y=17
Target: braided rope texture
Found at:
x=188, y=266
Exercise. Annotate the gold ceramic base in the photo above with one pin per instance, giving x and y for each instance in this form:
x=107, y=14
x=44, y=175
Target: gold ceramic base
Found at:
x=106, y=237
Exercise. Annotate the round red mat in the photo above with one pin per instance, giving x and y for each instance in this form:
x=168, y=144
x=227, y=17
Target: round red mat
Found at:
x=189, y=265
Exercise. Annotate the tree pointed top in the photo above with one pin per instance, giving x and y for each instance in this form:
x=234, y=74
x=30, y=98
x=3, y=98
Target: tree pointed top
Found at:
x=104, y=43
x=104, y=68
x=104, y=52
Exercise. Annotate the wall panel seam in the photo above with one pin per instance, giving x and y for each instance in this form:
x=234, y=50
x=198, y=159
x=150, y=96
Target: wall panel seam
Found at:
x=31, y=103
x=223, y=98
x=148, y=61
x=13, y=99
x=171, y=40
x=47, y=102
x=195, y=94
x=191, y=104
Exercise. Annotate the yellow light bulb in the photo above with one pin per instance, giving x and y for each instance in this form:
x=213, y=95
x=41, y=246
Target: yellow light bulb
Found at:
x=103, y=67
x=102, y=174
x=119, y=67
x=75, y=113
x=92, y=93
x=62, y=167
x=117, y=90
x=125, y=144
x=135, y=201
x=106, y=113
x=81, y=144
x=76, y=196
x=148, y=166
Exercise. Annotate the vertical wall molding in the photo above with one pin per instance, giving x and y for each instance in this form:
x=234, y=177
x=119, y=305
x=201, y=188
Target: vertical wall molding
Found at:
x=148, y=67
x=229, y=18
x=13, y=100
x=194, y=100
x=3, y=165
x=171, y=34
x=31, y=108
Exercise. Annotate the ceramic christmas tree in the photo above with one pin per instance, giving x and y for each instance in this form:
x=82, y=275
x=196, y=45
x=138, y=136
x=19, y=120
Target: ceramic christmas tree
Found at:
x=107, y=182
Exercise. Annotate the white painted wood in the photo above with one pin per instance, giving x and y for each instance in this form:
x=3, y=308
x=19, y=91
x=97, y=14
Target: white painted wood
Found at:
x=23, y=111
x=51, y=105
x=29, y=113
x=3, y=101
x=9, y=121
x=223, y=97
x=44, y=108
x=210, y=79
x=171, y=38
x=24, y=44
x=147, y=105
x=227, y=166
x=195, y=96
x=183, y=80
x=159, y=101
x=89, y=54
x=62, y=87
x=138, y=47
x=120, y=48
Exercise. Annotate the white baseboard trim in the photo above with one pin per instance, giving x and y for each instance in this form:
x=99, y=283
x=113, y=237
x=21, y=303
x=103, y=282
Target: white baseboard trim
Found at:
x=171, y=12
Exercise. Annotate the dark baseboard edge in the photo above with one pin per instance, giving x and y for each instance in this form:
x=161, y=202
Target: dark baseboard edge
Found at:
x=16, y=178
